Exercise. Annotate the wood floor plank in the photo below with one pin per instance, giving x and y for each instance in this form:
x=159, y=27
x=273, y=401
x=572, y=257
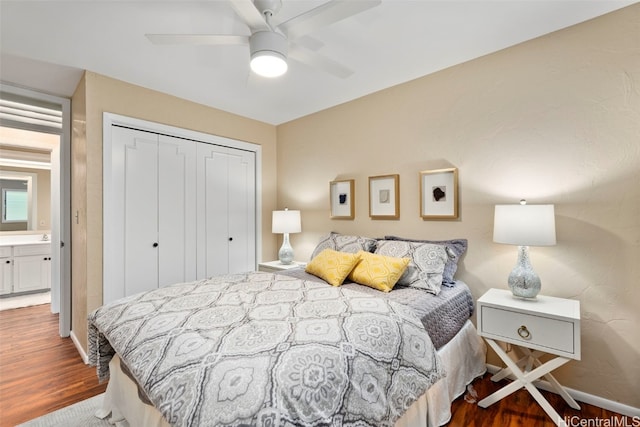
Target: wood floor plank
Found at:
x=518, y=409
x=41, y=372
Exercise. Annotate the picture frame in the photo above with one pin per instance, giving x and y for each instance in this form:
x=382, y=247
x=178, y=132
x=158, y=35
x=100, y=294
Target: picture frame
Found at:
x=384, y=197
x=439, y=194
x=341, y=195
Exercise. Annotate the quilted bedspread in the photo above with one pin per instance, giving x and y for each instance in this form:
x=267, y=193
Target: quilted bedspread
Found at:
x=268, y=350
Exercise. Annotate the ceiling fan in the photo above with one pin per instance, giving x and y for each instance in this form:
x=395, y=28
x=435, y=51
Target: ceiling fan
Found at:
x=270, y=45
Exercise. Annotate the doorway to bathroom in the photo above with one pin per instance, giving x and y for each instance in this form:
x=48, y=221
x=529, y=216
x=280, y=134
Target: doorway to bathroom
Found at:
x=34, y=146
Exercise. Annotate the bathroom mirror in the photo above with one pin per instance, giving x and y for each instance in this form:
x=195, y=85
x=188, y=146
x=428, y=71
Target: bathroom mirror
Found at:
x=20, y=210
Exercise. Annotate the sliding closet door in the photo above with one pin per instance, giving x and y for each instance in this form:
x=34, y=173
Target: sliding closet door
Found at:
x=226, y=210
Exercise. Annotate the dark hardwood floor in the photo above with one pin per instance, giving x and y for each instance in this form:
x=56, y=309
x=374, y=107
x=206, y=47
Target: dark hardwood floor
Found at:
x=41, y=372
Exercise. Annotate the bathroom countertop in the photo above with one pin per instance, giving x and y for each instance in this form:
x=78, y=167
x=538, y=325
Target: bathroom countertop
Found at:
x=24, y=239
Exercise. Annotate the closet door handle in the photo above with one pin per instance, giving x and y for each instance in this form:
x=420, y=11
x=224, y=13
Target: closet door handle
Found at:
x=155, y=244
x=8, y=262
x=231, y=239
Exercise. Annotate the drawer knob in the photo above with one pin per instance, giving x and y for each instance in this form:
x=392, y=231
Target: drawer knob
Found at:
x=524, y=332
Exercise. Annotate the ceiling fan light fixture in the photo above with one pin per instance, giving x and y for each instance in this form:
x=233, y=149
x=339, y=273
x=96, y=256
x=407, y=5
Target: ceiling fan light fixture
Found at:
x=268, y=53
x=268, y=64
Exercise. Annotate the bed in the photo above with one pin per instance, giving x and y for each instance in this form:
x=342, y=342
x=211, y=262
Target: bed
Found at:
x=285, y=349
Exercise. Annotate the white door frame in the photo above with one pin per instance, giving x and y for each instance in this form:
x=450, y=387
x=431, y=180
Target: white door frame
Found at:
x=60, y=206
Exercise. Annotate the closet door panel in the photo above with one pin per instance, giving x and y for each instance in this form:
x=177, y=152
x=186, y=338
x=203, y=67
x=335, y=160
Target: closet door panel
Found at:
x=134, y=213
x=242, y=208
x=141, y=216
x=213, y=208
x=176, y=210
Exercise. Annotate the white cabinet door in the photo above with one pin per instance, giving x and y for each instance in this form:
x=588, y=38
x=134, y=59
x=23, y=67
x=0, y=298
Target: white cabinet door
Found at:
x=31, y=273
x=151, y=224
x=46, y=278
x=6, y=276
x=226, y=210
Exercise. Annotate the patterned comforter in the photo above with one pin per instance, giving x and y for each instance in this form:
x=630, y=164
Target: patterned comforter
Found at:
x=268, y=350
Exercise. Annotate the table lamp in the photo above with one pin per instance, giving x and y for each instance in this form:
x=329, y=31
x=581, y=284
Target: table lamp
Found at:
x=524, y=225
x=286, y=222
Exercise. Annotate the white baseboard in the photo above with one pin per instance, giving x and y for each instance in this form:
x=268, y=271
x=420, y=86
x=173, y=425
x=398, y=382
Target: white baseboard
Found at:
x=83, y=354
x=601, y=402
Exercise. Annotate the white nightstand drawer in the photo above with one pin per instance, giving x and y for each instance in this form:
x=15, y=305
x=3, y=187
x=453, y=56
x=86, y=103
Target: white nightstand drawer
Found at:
x=503, y=324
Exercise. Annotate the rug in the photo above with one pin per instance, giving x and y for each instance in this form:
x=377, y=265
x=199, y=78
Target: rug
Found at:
x=80, y=414
x=20, y=301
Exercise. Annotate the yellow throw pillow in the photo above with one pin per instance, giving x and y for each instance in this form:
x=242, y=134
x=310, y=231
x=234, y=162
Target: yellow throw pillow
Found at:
x=332, y=266
x=378, y=271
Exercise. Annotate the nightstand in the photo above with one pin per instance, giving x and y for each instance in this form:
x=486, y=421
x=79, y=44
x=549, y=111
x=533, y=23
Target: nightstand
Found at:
x=534, y=327
x=274, y=266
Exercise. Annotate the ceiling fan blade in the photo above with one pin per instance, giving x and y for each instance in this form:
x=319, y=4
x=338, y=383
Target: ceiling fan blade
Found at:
x=252, y=16
x=315, y=60
x=197, y=39
x=326, y=14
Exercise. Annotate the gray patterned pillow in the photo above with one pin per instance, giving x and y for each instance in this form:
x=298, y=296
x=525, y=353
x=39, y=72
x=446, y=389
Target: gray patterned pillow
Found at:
x=426, y=266
x=344, y=243
x=455, y=249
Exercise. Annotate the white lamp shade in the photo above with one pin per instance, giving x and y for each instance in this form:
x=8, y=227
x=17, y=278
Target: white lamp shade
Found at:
x=286, y=222
x=524, y=225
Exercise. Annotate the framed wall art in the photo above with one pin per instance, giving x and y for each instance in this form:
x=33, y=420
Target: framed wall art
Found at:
x=341, y=194
x=439, y=194
x=384, y=197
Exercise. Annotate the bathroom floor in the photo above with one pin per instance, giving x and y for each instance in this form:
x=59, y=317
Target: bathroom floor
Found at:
x=25, y=300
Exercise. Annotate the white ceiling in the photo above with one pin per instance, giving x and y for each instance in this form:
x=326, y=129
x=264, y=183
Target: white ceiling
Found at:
x=45, y=45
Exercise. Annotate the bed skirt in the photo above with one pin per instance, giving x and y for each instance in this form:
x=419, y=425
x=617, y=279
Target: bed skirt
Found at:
x=463, y=358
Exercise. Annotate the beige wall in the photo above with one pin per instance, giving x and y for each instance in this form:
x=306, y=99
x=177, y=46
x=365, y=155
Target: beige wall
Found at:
x=97, y=94
x=79, y=258
x=554, y=120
